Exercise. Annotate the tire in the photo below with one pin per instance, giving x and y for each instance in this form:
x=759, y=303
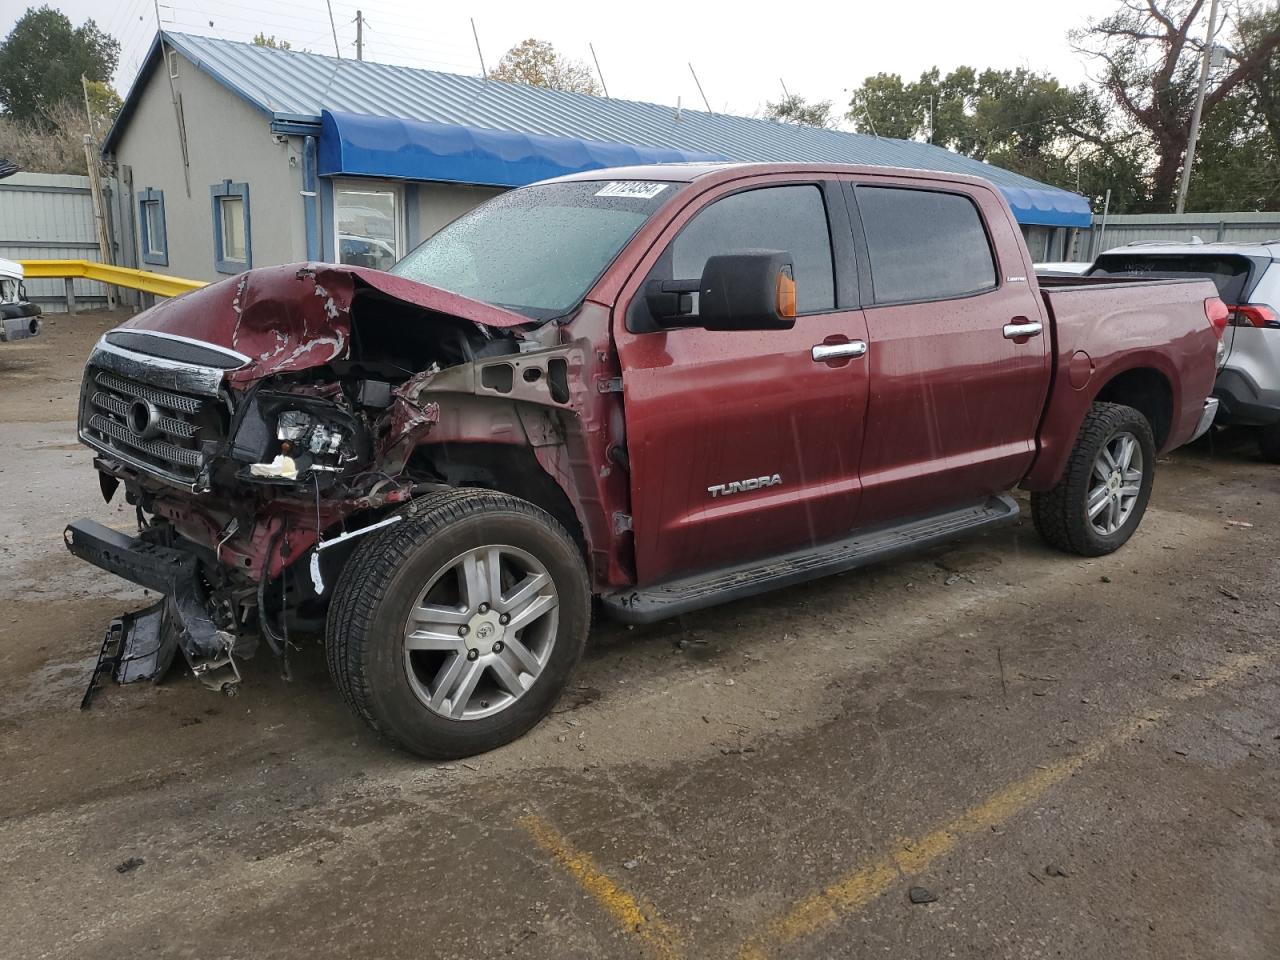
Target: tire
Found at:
x=1269, y=443
x=1061, y=515
x=435, y=563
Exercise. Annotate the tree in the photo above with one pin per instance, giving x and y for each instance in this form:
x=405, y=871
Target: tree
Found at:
x=53, y=143
x=1017, y=119
x=262, y=40
x=886, y=107
x=536, y=63
x=795, y=109
x=1150, y=50
x=104, y=104
x=42, y=59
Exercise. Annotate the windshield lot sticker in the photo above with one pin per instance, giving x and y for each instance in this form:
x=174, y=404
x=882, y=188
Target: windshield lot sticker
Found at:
x=631, y=188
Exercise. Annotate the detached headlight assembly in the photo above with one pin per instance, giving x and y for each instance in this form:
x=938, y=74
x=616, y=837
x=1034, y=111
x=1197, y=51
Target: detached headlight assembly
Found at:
x=288, y=438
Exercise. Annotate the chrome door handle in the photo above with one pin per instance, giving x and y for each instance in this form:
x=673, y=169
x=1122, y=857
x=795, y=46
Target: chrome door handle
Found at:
x=823, y=352
x=1032, y=328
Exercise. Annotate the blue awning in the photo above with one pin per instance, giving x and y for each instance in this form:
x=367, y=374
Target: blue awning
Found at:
x=365, y=145
x=370, y=146
x=1048, y=207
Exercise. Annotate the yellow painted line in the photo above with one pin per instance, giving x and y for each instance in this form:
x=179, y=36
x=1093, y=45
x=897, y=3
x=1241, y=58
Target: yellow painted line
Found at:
x=634, y=915
x=827, y=906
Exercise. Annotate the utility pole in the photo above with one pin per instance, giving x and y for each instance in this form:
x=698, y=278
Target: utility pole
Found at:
x=1194, y=134
x=359, y=35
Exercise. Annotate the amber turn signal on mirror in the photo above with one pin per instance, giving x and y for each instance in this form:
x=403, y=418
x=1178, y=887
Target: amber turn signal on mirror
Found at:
x=786, y=295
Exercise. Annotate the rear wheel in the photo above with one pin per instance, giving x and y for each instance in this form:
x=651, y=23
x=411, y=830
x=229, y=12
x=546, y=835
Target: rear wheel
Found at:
x=1100, y=500
x=453, y=631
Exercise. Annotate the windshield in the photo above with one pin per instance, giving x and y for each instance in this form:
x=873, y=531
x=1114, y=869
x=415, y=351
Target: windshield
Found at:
x=539, y=249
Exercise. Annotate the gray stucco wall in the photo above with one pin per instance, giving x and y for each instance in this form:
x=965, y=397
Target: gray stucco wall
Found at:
x=226, y=139
x=229, y=139
x=440, y=203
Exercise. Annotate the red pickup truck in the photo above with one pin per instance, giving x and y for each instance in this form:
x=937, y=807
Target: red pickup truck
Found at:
x=655, y=389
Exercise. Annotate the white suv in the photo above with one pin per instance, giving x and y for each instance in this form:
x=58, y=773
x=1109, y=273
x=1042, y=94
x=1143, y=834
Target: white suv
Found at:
x=1248, y=279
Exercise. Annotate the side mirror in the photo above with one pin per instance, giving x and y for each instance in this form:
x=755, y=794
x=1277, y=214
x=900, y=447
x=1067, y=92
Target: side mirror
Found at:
x=738, y=291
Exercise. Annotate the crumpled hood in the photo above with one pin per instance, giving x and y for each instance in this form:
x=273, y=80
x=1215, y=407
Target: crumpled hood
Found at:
x=297, y=316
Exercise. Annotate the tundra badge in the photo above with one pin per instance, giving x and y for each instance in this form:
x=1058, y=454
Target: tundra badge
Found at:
x=737, y=486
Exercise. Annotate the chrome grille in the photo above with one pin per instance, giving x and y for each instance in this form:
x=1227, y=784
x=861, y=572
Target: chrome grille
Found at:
x=178, y=402
x=178, y=425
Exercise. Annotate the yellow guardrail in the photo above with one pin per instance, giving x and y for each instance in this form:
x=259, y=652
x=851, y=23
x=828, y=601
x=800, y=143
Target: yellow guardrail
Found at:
x=144, y=280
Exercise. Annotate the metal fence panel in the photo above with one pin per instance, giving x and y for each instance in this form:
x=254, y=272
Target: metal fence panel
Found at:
x=49, y=216
x=1121, y=230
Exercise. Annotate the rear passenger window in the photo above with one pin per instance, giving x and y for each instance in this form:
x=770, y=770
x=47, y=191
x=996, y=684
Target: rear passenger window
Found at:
x=791, y=218
x=924, y=245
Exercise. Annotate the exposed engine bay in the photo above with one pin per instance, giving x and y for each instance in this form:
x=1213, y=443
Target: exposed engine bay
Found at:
x=260, y=426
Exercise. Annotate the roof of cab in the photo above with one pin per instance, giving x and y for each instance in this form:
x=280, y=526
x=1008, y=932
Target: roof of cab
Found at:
x=689, y=172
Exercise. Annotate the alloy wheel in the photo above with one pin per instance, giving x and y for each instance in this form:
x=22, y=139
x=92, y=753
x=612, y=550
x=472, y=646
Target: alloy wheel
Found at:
x=481, y=632
x=1116, y=483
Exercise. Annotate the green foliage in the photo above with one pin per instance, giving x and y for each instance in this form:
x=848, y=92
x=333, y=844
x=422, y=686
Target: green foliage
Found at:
x=42, y=59
x=536, y=62
x=262, y=40
x=1017, y=119
x=795, y=109
x=1148, y=54
x=1127, y=134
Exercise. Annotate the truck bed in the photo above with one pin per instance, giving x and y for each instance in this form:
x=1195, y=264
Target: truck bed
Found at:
x=1105, y=328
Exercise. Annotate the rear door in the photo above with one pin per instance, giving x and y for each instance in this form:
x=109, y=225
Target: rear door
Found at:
x=958, y=346
x=741, y=444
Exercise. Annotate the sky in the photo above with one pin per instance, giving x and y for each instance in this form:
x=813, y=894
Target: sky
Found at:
x=742, y=52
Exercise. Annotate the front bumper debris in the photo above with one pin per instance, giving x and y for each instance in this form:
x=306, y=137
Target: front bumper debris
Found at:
x=141, y=646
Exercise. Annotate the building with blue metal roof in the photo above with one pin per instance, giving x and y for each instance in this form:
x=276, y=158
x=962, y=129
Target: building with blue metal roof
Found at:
x=238, y=155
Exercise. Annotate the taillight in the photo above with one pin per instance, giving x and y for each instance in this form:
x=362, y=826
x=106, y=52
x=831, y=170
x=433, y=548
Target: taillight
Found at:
x=1218, y=314
x=1256, y=315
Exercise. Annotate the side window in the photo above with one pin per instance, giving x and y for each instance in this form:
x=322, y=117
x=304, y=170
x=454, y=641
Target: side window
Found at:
x=791, y=218
x=154, y=242
x=232, y=242
x=924, y=245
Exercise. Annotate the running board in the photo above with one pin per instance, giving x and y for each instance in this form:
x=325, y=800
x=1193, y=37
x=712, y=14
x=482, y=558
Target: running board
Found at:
x=662, y=600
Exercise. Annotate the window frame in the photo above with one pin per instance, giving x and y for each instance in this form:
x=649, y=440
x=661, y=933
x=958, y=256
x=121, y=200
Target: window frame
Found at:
x=217, y=193
x=401, y=212
x=844, y=255
x=147, y=197
x=867, y=271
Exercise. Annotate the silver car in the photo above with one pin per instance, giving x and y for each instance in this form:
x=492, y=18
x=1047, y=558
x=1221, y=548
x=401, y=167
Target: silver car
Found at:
x=1248, y=279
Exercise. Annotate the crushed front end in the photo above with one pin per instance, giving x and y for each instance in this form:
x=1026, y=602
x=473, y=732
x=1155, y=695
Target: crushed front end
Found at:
x=255, y=442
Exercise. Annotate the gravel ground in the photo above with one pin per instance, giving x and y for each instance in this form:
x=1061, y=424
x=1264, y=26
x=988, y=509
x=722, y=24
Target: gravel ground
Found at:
x=1061, y=757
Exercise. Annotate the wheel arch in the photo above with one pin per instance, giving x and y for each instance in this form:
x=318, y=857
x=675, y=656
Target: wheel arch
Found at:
x=1144, y=383
x=1149, y=391
x=511, y=468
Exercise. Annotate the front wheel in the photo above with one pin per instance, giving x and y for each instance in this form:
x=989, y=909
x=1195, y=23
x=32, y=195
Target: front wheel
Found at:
x=454, y=631
x=1103, y=493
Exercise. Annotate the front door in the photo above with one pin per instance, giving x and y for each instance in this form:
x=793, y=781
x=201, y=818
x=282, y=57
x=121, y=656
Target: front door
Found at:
x=741, y=444
x=957, y=349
